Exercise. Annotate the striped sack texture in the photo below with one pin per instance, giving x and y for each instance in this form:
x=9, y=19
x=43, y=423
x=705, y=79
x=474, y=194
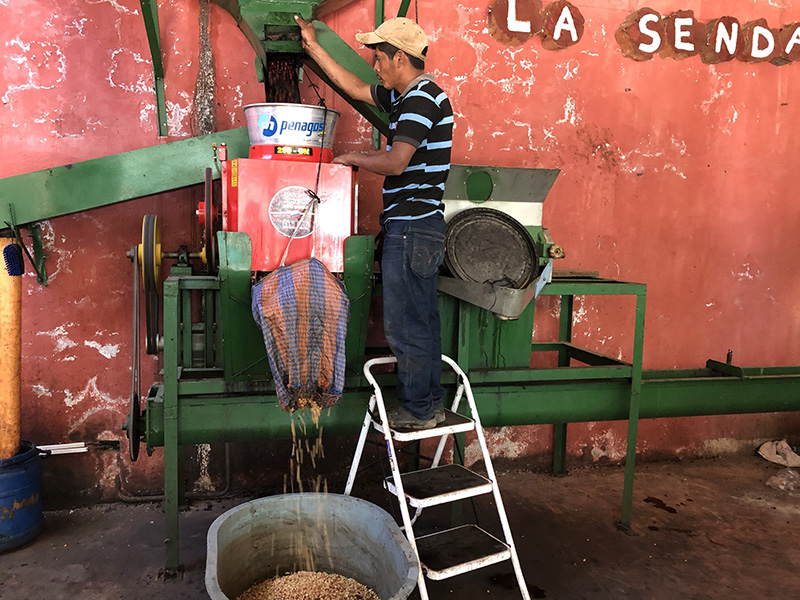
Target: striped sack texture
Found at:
x=302, y=310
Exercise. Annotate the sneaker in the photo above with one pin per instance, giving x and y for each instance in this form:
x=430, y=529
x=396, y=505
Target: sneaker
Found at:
x=400, y=418
x=439, y=415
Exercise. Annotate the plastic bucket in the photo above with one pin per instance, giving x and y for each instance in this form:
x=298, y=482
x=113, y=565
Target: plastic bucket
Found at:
x=20, y=500
x=341, y=534
x=281, y=124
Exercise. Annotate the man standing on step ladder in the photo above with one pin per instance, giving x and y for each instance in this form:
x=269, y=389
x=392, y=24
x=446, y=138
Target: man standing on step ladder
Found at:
x=415, y=164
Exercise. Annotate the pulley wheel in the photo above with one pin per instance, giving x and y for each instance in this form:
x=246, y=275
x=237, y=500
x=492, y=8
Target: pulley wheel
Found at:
x=484, y=245
x=150, y=258
x=209, y=246
x=150, y=253
x=133, y=427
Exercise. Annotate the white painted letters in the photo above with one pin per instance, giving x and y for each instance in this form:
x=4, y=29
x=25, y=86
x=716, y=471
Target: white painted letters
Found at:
x=514, y=24
x=682, y=25
x=729, y=38
x=793, y=41
x=653, y=35
x=566, y=23
x=762, y=33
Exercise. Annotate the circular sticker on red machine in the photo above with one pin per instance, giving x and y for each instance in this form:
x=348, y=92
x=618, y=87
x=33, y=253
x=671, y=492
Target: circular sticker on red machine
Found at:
x=288, y=207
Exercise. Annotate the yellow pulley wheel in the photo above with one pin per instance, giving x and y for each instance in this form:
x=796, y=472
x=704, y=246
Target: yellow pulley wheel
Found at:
x=150, y=254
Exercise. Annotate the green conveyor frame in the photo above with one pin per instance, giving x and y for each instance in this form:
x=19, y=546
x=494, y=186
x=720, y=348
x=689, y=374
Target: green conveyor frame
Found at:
x=226, y=400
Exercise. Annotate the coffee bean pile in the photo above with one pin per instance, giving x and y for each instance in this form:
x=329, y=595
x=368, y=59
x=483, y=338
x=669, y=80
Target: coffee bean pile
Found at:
x=309, y=585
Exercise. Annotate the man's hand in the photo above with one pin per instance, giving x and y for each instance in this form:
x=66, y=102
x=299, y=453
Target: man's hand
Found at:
x=392, y=162
x=350, y=84
x=346, y=159
x=307, y=32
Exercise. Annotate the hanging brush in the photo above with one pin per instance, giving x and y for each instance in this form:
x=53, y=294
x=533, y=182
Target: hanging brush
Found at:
x=12, y=255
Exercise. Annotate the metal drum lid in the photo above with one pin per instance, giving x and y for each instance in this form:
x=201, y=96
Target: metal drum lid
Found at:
x=485, y=245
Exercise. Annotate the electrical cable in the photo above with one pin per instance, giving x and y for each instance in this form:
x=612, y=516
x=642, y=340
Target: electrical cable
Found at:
x=313, y=194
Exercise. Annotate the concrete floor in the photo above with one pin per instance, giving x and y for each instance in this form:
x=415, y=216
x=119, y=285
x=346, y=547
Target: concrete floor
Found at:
x=705, y=529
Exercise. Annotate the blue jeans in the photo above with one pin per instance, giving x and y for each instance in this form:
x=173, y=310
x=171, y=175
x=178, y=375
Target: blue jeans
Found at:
x=412, y=253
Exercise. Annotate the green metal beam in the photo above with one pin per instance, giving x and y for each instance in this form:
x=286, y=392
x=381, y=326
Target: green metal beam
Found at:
x=269, y=24
x=403, y=10
x=696, y=393
x=245, y=25
x=150, y=16
x=102, y=181
x=594, y=286
x=380, y=16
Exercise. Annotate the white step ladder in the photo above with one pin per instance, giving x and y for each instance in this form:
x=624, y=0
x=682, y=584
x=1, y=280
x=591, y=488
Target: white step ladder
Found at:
x=454, y=551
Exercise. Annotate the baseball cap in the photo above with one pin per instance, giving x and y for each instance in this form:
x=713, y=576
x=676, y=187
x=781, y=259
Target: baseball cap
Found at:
x=401, y=33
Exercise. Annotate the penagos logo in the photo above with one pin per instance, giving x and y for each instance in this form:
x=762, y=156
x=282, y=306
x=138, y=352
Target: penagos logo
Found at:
x=268, y=128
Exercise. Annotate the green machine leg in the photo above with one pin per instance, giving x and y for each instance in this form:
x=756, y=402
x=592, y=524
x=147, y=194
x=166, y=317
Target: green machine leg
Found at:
x=633, y=415
x=560, y=429
x=171, y=375
x=600, y=366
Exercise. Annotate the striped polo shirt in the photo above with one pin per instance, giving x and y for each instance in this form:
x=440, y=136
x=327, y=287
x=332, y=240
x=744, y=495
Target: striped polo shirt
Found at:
x=420, y=116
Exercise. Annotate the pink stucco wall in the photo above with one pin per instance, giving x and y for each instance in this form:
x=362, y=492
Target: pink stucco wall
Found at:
x=674, y=173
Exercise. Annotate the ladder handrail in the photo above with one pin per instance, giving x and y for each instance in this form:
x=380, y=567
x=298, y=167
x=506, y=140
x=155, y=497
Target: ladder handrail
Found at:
x=377, y=399
x=501, y=510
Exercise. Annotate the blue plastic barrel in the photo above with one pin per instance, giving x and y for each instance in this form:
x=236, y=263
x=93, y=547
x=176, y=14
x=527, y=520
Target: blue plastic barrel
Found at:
x=20, y=500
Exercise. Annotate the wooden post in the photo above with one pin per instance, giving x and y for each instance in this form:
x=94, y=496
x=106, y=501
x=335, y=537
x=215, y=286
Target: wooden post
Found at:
x=10, y=357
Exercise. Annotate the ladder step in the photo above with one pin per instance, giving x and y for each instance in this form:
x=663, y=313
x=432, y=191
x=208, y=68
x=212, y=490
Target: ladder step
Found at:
x=429, y=487
x=453, y=423
x=455, y=551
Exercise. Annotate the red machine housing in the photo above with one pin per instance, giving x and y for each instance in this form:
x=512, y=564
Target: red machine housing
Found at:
x=268, y=198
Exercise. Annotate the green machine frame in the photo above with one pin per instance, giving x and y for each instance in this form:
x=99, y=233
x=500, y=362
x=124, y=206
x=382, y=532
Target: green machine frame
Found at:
x=219, y=390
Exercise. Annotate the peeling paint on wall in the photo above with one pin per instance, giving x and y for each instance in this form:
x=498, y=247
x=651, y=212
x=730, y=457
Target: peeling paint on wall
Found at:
x=607, y=445
x=117, y=6
x=41, y=390
x=745, y=273
x=501, y=444
x=39, y=65
x=59, y=337
x=107, y=350
x=95, y=401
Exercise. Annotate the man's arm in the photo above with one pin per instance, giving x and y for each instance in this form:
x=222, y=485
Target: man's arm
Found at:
x=393, y=162
x=351, y=84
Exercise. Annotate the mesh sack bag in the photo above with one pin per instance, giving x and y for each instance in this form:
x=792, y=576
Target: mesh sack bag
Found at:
x=302, y=310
